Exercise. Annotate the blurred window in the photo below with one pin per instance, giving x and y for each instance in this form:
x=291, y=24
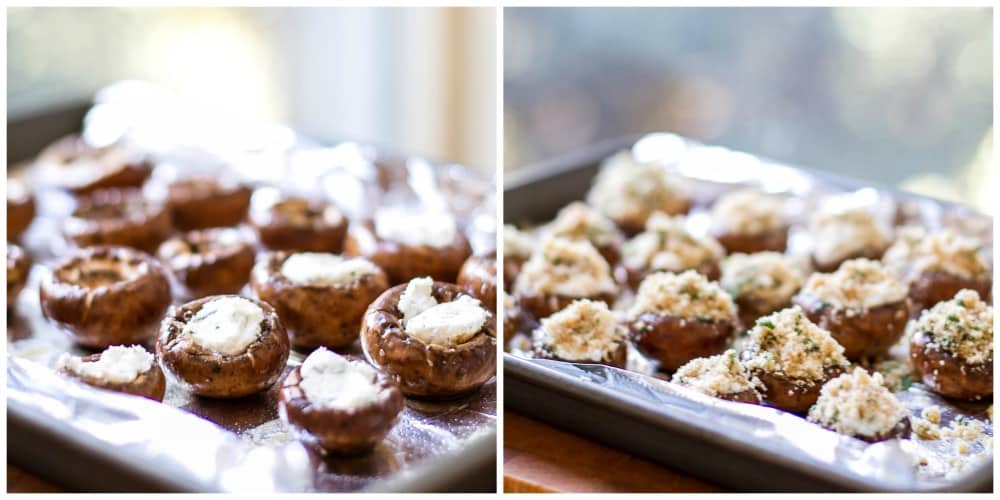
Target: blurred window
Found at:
x=900, y=96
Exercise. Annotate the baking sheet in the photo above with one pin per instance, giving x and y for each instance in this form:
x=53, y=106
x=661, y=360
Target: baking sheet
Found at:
x=915, y=464
x=242, y=445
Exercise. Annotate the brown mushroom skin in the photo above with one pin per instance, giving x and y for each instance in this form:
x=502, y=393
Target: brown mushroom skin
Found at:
x=118, y=217
x=478, y=277
x=674, y=341
x=298, y=224
x=204, y=266
x=199, y=203
x=749, y=397
x=314, y=316
x=511, y=268
x=404, y=262
x=339, y=431
x=20, y=213
x=540, y=305
x=862, y=333
x=771, y=241
x=750, y=310
x=72, y=148
x=929, y=288
x=791, y=394
x=18, y=268
x=947, y=374
x=150, y=384
x=120, y=313
x=427, y=370
x=617, y=359
x=214, y=375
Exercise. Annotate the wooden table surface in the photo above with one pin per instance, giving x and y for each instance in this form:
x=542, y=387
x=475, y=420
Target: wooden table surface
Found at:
x=540, y=458
x=22, y=481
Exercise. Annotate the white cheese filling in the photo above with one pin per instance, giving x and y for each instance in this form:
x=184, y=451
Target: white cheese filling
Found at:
x=444, y=324
x=226, y=325
x=118, y=364
x=333, y=381
x=325, y=269
x=415, y=228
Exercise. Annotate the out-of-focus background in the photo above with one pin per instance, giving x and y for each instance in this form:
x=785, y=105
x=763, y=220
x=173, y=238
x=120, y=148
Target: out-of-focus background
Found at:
x=419, y=81
x=900, y=96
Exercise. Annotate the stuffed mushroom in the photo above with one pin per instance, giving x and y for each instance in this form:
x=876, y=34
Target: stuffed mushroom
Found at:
x=224, y=346
x=584, y=332
x=72, y=164
x=859, y=405
x=667, y=245
x=629, y=192
x=434, y=339
x=749, y=221
x=206, y=262
x=679, y=317
x=579, y=221
x=951, y=347
x=760, y=283
x=792, y=358
x=201, y=202
x=937, y=265
x=341, y=405
x=720, y=376
x=560, y=272
x=409, y=244
x=131, y=370
x=861, y=304
x=106, y=296
x=839, y=235
x=20, y=208
x=122, y=217
x=320, y=297
x=301, y=225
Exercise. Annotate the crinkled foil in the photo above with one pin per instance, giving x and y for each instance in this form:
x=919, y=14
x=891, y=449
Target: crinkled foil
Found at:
x=241, y=445
x=919, y=463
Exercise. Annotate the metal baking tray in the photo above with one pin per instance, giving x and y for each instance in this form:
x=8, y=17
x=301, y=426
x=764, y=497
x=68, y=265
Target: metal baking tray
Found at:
x=640, y=414
x=57, y=451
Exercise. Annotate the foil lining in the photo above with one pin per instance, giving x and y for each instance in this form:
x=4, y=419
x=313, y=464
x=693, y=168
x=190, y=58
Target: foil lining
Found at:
x=910, y=464
x=241, y=445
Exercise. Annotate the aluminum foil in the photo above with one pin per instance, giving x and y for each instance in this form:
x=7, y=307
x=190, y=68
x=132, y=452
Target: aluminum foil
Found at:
x=910, y=464
x=241, y=445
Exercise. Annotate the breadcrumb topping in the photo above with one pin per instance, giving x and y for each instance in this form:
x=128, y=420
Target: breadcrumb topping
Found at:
x=584, y=331
x=579, y=221
x=787, y=343
x=568, y=268
x=748, y=211
x=857, y=404
x=626, y=189
x=942, y=251
x=516, y=243
x=684, y=295
x=858, y=284
x=719, y=375
x=839, y=235
x=667, y=245
x=962, y=326
x=766, y=278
